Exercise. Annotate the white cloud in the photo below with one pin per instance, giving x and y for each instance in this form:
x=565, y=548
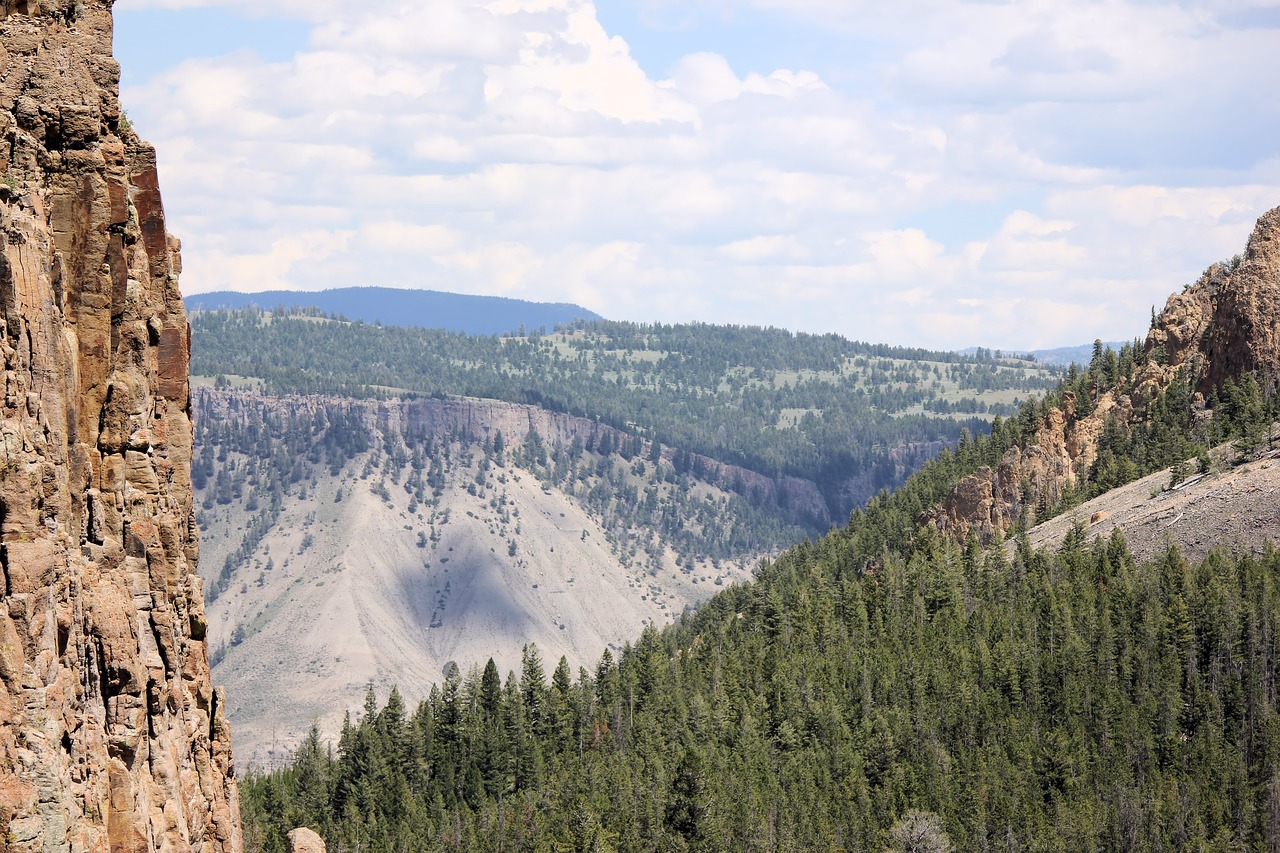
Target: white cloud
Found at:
x=517, y=147
x=903, y=256
x=706, y=78
x=270, y=269
x=776, y=248
x=1028, y=244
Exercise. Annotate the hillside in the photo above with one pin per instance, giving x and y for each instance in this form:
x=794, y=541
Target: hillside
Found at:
x=1233, y=506
x=417, y=546
x=816, y=407
x=1074, y=700
x=664, y=462
x=427, y=309
x=898, y=683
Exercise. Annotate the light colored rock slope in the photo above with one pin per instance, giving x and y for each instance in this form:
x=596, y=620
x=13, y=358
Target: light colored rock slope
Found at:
x=1237, y=507
x=351, y=599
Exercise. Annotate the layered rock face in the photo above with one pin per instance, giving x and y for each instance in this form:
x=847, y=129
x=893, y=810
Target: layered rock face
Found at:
x=111, y=735
x=1225, y=325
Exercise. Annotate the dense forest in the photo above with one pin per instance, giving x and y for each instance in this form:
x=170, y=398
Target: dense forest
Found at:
x=884, y=687
x=1069, y=701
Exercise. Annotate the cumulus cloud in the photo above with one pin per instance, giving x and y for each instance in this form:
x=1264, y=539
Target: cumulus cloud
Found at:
x=518, y=147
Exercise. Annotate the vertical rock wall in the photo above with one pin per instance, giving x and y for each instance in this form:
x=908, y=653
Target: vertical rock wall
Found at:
x=111, y=735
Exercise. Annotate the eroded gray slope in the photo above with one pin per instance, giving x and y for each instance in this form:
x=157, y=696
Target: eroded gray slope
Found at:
x=339, y=594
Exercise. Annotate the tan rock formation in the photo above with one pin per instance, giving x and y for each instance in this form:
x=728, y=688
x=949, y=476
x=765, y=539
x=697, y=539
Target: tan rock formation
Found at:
x=1225, y=325
x=111, y=736
x=991, y=500
x=1245, y=334
x=304, y=840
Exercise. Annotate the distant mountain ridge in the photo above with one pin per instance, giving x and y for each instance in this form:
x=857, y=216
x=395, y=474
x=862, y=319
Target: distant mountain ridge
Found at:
x=428, y=309
x=1071, y=355
x=1057, y=356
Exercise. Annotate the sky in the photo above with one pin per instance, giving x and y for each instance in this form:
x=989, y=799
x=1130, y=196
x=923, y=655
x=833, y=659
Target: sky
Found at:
x=940, y=173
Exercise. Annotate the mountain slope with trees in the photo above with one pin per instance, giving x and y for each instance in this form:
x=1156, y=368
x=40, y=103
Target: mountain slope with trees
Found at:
x=817, y=407
x=891, y=680
x=1071, y=701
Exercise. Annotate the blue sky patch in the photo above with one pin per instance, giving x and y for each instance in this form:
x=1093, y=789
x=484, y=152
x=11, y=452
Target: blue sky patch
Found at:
x=751, y=40
x=150, y=41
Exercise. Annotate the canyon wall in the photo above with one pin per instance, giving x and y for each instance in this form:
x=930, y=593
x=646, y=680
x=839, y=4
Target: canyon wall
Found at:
x=472, y=419
x=111, y=735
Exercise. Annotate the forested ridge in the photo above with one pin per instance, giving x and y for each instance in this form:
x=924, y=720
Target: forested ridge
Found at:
x=818, y=407
x=847, y=417
x=881, y=679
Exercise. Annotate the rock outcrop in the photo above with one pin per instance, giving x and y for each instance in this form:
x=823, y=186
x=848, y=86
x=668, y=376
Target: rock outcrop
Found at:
x=1244, y=333
x=111, y=735
x=305, y=840
x=993, y=498
x=1225, y=325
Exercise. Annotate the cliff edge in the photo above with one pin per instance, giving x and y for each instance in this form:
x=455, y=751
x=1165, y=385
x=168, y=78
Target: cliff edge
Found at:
x=111, y=735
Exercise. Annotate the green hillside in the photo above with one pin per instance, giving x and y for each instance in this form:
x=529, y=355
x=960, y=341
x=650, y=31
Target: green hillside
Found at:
x=882, y=682
x=1070, y=701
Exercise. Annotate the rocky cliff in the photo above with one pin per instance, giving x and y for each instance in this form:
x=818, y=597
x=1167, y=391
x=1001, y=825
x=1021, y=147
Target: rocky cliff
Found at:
x=111, y=735
x=1225, y=325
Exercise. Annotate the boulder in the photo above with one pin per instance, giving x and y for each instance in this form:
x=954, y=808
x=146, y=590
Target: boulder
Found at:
x=304, y=840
